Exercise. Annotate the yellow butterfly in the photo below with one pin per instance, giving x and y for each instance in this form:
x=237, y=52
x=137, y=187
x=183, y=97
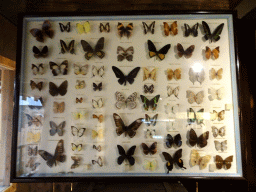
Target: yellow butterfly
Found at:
x=58, y=107
x=33, y=138
x=76, y=147
x=98, y=134
x=79, y=115
x=148, y=74
x=150, y=165
x=196, y=159
x=80, y=84
x=83, y=28
x=215, y=74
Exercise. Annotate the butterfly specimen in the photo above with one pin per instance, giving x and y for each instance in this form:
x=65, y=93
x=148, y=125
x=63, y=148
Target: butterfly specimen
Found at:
x=99, y=161
x=150, y=28
x=57, y=157
x=65, y=27
x=195, y=117
x=152, y=149
x=124, y=78
x=35, y=120
x=216, y=33
x=171, y=109
x=215, y=74
x=196, y=159
x=173, y=91
x=176, y=74
x=32, y=164
x=76, y=162
x=67, y=48
x=32, y=151
x=171, y=30
x=55, y=91
x=192, y=97
x=226, y=163
x=217, y=115
x=175, y=159
x=100, y=117
x=79, y=100
x=97, y=87
x=125, y=54
x=221, y=131
x=170, y=141
x=34, y=85
x=83, y=28
x=99, y=134
x=196, y=76
x=97, y=148
x=148, y=89
x=149, y=103
x=97, y=71
x=214, y=53
x=150, y=121
x=46, y=30
x=216, y=93
x=221, y=146
x=33, y=137
x=201, y=140
x=122, y=128
x=104, y=27
x=83, y=70
x=125, y=31
x=127, y=155
x=130, y=102
x=59, y=69
x=150, y=165
x=161, y=53
x=76, y=147
x=150, y=134
x=38, y=53
x=149, y=75
x=187, y=53
x=77, y=131
x=57, y=128
x=58, y=107
x=96, y=51
x=191, y=30
x=79, y=115
x=80, y=84
x=97, y=104
x=38, y=70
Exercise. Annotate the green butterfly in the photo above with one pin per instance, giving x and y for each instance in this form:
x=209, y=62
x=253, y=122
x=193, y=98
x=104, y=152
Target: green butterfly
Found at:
x=216, y=33
x=147, y=103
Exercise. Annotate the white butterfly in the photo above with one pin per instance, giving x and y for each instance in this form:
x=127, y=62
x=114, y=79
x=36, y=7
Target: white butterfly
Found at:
x=171, y=109
x=192, y=97
x=150, y=165
x=196, y=159
x=129, y=102
x=196, y=76
x=221, y=146
x=97, y=71
x=83, y=70
x=150, y=133
x=221, y=131
x=97, y=104
x=79, y=115
x=217, y=115
x=171, y=91
x=172, y=125
x=216, y=93
x=38, y=70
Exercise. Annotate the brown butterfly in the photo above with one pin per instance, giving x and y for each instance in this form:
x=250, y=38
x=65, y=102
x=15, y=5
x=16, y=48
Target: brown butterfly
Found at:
x=171, y=30
x=201, y=140
x=215, y=74
x=45, y=31
x=223, y=163
x=215, y=52
x=152, y=149
x=34, y=85
x=76, y=162
x=58, y=107
x=79, y=100
x=187, y=53
x=176, y=74
x=100, y=117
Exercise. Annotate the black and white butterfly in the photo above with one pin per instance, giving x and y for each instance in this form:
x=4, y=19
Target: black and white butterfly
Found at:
x=97, y=87
x=59, y=69
x=125, y=54
x=67, y=48
x=127, y=155
x=124, y=78
x=97, y=104
x=77, y=131
x=97, y=71
x=99, y=161
x=129, y=102
x=38, y=70
x=191, y=30
x=57, y=128
x=104, y=27
x=65, y=27
x=96, y=51
x=148, y=89
x=149, y=103
x=38, y=53
x=150, y=121
x=55, y=91
x=150, y=28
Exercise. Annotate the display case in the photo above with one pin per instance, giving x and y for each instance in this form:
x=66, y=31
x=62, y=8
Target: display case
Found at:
x=126, y=95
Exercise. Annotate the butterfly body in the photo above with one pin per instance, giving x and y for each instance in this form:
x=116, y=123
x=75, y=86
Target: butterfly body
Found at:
x=32, y=151
x=127, y=155
x=67, y=48
x=104, y=27
x=125, y=54
x=149, y=103
x=96, y=51
x=59, y=69
x=65, y=27
x=79, y=100
x=125, y=31
x=216, y=33
x=161, y=53
x=193, y=30
x=125, y=78
x=148, y=28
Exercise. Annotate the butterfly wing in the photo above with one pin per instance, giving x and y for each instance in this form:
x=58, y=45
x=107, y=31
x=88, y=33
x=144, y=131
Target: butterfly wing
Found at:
x=194, y=30
x=60, y=128
x=163, y=51
x=53, y=129
x=228, y=161
x=191, y=96
x=119, y=74
x=177, y=158
x=46, y=28
x=174, y=28
x=208, y=52
x=122, y=154
x=153, y=102
x=188, y=52
x=129, y=154
x=192, y=137
x=50, y=159
x=170, y=161
x=166, y=29
x=145, y=102
x=216, y=33
x=169, y=141
x=35, y=69
x=219, y=162
x=152, y=49
x=207, y=31
x=98, y=48
x=177, y=140
x=132, y=128
x=120, y=127
x=88, y=49
x=130, y=101
x=202, y=139
x=194, y=157
x=203, y=161
x=215, y=52
x=132, y=75
x=38, y=34
x=221, y=115
x=180, y=49
x=64, y=47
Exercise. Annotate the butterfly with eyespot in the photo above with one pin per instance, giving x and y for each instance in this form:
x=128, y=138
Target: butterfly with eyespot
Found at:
x=97, y=71
x=76, y=162
x=214, y=53
x=57, y=128
x=43, y=53
x=57, y=157
x=226, y=163
x=80, y=84
x=99, y=161
x=187, y=53
x=104, y=28
x=216, y=33
x=38, y=70
x=125, y=31
x=196, y=76
x=170, y=30
x=59, y=69
x=149, y=75
x=35, y=120
x=150, y=165
x=97, y=148
x=173, y=74
x=129, y=130
x=32, y=164
x=196, y=159
x=32, y=151
x=77, y=131
x=79, y=100
x=173, y=91
x=76, y=147
x=83, y=28
x=215, y=74
x=79, y=115
x=58, y=107
x=150, y=121
x=98, y=134
x=97, y=104
x=161, y=53
x=55, y=91
x=67, y=48
x=221, y=146
x=175, y=159
x=149, y=150
x=45, y=31
x=124, y=78
x=214, y=115
x=97, y=87
x=149, y=103
x=192, y=97
x=170, y=141
x=83, y=70
x=96, y=51
x=148, y=89
x=221, y=131
x=216, y=93
x=191, y=30
x=148, y=28
x=150, y=134
x=65, y=27
x=100, y=117
x=130, y=102
x=195, y=117
x=127, y=155
x=125, y=54
x=201, y=140
x=34, y=85
x=33, y=137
